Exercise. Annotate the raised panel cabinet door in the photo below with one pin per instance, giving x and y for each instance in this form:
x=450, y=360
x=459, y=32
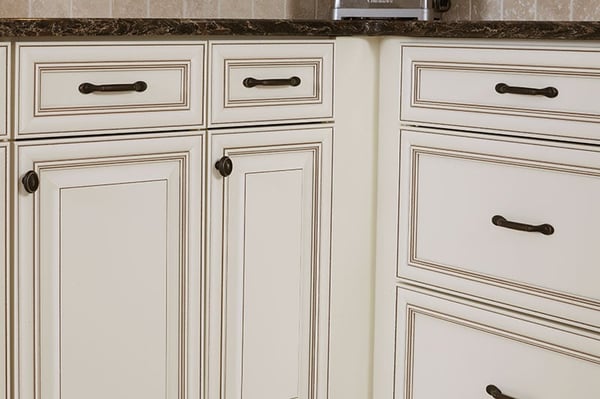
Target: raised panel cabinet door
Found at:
x=4, y=232
x=109, y=268
x=269, y=294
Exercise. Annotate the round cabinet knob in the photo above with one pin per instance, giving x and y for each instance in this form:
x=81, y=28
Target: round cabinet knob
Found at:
x=224, y=166
x=31, y=181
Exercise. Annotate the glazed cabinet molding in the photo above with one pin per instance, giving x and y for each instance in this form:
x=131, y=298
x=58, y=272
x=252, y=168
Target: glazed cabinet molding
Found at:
x=458, y=243
x=525, y=89
x=486, y=257
x=269, y=269
x=77, y=88
x=482, y=348
x=267, y=82
x=108, y=258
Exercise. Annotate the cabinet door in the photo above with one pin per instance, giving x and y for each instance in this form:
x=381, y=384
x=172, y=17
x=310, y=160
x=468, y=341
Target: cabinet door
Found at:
x=270, y=265
x=109, y=269
x=4, y=167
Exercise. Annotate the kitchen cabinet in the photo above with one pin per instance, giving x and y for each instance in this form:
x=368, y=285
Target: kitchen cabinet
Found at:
x=4, y=269
x=483, y=255
x=109, y=262
x=270, y=263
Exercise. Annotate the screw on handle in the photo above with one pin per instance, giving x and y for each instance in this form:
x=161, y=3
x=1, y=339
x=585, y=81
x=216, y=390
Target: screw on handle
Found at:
x=87, y=88
x=496, y=393
x=224, y=166
x=550, y=92
x=545, y=229
x=252, y=82
x=31, y=181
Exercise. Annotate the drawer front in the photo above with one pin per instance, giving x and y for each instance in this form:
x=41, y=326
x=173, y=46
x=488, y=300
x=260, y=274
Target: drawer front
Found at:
x=160, y=87
x=449, y=349
x=4, y=89
x=457, y=86
x=266, y=82
x=453, y=186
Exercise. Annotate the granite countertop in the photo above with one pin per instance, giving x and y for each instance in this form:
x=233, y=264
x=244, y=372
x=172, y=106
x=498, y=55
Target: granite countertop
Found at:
x=78, y=27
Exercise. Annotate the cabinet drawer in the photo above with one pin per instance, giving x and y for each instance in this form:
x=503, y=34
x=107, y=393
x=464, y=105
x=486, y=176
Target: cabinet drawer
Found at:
x=457, y=86
x=453, y=186
x=450, y=349
x=266, y=82
x=4, y=89
x=160, y=87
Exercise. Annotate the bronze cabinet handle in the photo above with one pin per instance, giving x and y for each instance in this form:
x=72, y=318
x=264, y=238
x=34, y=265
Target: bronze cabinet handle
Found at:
x=496, y=393
x=545, y=229
x=87, y=88
x=251, y=82
x=503, y=88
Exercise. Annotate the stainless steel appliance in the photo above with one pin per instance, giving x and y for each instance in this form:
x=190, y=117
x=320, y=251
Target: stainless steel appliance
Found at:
x=409, y=9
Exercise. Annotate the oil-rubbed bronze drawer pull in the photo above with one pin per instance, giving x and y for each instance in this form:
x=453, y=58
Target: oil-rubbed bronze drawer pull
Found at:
x=549, y=92
x=545, y=228
x=87, y=88
x=495, y=393
x=251, y=82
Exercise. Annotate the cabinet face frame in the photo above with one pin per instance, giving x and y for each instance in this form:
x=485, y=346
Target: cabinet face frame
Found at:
x=265, y=143
x=182, y=158
x=5, y=88
x=5, y=271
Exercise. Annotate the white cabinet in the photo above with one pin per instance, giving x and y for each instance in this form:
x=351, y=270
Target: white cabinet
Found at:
x=486, y=252
x=269, y=268
x=4, y=270
x=109, y=268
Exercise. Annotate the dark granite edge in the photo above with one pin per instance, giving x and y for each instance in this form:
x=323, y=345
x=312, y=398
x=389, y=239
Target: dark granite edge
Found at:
x=105, y=27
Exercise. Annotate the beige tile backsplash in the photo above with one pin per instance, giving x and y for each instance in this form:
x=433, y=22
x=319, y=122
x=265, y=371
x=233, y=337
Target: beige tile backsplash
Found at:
x=308, y=9
x=541, y=10
x=304, y=9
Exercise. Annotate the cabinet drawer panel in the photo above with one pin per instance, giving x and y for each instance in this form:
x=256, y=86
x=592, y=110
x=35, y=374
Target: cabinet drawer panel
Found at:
x=456, y=86
x=454, y=350
x=4, y=89
x=271, y=81
x=453, y=187
x=165, y=87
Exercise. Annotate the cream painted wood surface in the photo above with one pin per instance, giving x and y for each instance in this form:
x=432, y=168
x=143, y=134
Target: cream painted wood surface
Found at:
x=49, y=75
x=513, y=297
x=109, y=269
x=5, y=92
x=448, y=348
x=4, y=272
x=452, y=83
x=233, y=104
x=525, y=181
x=269, y=290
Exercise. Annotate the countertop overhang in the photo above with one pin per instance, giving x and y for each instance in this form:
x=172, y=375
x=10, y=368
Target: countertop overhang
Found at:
x=130, y=27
